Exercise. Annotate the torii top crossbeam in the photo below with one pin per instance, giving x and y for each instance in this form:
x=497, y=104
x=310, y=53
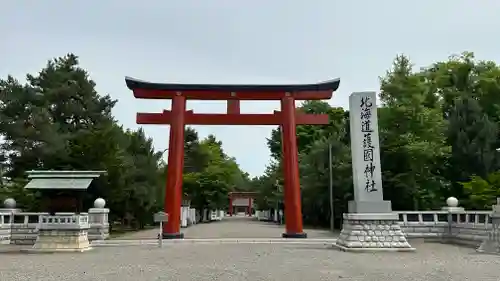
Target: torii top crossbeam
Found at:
x=149, y=90
x=233, y=94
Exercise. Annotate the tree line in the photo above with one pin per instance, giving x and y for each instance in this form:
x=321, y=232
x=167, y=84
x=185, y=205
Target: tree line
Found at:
x=56, y=120
x=438, y=136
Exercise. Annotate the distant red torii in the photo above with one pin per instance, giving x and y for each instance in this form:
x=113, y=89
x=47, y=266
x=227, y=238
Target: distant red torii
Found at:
x=243, y=195
x=178, y=117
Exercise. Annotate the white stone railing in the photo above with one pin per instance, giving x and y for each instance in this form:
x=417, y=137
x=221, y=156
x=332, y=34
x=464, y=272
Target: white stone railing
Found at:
x=22, y=227
x=64, y=221
x=453, y=225
x=464, y=227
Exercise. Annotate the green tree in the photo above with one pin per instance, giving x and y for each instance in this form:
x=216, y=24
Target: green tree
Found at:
x=413, y=139
x=313, y=147
x=268, y=187
x=469, y=92
x=473, y=138
x=57, y=121
x=307, y=134
x=481, y=193
x=315, y=180
x=215, y=176
x=438, y=135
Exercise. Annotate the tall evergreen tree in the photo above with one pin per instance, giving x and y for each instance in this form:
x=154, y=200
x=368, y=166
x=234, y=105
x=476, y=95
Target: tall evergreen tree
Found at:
x=473, y=138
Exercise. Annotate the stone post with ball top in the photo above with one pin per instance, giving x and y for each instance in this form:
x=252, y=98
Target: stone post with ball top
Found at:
x=98, y=220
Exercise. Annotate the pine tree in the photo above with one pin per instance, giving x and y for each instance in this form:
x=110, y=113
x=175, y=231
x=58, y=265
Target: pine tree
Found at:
x=472, y=137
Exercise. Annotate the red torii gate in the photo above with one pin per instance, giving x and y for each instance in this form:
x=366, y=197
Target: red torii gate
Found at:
x=178, y=117
x=241, y=195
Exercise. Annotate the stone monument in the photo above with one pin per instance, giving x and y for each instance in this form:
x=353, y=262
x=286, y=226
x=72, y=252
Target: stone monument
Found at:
x=370, y=224
x=491, y=245
x=65, y=228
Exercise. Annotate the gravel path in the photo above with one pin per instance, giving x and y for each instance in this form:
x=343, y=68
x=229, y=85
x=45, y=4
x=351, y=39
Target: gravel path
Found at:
x=255, y=262
x=231, y=227
x=273, y=262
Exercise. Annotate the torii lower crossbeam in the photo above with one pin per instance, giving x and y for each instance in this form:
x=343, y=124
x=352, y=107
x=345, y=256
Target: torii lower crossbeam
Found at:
x=230, y=119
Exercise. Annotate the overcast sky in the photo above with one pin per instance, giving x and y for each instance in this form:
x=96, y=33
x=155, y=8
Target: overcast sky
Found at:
x=258, y=41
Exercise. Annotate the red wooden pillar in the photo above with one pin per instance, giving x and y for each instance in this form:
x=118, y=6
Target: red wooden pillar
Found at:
x=230, y=205
x=293, y=208
x=285, y=167
x=249, y=206
x=173, y=192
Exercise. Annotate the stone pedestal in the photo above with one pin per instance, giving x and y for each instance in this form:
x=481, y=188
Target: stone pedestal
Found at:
x=372, y=232
x=9, y=210
x=453, y=210
x=6, y=220
x=99, y=224
x=62, y=232
x=362, y=207
x=491, y=245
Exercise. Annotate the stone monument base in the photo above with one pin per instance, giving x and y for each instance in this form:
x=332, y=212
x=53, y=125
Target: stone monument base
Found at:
x=372, y=232
x=364, y=207
x=67, y=240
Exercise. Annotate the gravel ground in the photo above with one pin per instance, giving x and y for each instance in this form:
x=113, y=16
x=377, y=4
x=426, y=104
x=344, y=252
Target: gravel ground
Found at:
x=232, y=227
x=274, y=262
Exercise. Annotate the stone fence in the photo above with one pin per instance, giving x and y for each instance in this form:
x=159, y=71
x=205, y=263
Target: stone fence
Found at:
x=21, y=228
x=452, y=224
x=459, y=227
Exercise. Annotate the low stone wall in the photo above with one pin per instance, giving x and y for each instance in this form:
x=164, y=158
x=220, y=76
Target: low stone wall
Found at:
x=22, y=228
x=467, y=227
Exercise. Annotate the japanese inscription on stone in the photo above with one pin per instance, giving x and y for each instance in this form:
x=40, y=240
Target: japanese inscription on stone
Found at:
x=365, y=107
x=365, y=146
